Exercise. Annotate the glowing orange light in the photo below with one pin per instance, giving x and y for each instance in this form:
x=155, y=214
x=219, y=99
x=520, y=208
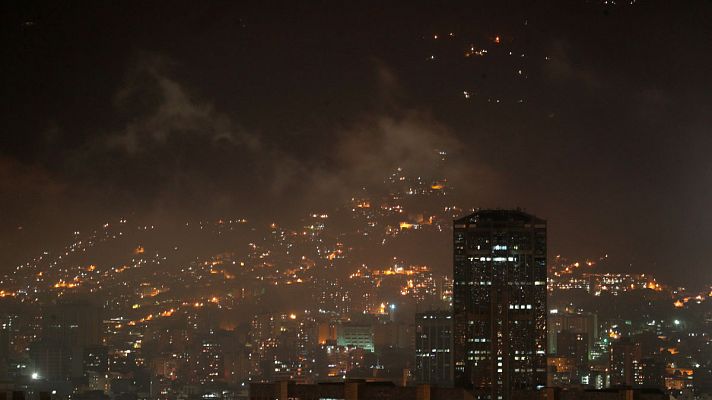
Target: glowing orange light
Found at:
x=63, y=284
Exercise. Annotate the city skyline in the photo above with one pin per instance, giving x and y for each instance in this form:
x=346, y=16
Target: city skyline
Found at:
x=355, y=200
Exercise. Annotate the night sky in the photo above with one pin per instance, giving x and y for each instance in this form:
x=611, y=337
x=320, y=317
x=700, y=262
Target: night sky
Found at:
x=599, y=120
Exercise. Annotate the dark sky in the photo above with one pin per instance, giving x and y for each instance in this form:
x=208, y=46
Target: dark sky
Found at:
x=599, y=120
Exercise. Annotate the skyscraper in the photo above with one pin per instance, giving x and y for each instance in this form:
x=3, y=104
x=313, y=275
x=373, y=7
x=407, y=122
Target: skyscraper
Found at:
x=499, y=302
x=433, y=348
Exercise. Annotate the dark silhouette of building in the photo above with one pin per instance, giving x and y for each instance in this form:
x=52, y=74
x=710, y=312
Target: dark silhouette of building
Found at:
x=573, y=345
x=363, y=390
x=68, y=329
x=353, y=390
x=50, y=360
x=433, y=348
x=72, y=323
x=96, y=366
x=5, y=340
x=652, y=373
x=625, y=357
x=574, y=322
x=626, y=393
x=499, y=302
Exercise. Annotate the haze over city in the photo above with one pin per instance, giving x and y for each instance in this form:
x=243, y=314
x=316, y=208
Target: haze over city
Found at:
x=187, y=111
x=318, y=199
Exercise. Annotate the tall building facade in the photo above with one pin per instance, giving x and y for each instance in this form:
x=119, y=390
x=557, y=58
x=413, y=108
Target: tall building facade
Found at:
x=575, y=322
x=69, y=328
x=499, y=303
x=433, y=348
x=625, y=360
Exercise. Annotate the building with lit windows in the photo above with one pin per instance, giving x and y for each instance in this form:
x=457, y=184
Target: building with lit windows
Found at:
x=433, y=348
x=625, y=357
x=559, y=321
x=353, y=335
x=499, y=303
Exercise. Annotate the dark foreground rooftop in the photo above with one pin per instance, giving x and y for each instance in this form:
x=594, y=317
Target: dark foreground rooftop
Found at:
x=363, y=390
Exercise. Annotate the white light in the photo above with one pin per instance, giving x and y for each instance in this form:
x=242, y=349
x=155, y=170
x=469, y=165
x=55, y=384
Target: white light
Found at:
x=35, y=375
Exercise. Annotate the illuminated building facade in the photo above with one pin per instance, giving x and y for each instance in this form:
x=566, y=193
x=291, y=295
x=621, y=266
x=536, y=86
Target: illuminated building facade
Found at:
x=352, y=335
x=499, y=302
